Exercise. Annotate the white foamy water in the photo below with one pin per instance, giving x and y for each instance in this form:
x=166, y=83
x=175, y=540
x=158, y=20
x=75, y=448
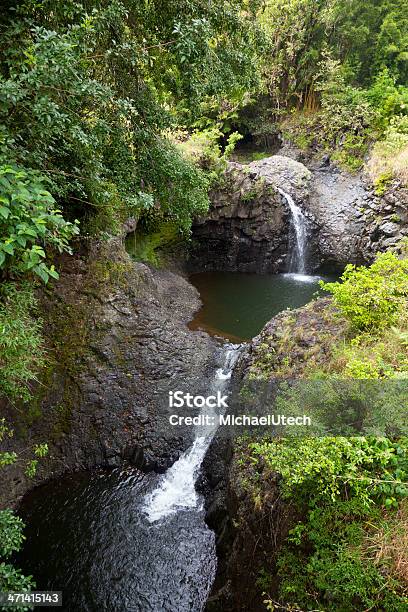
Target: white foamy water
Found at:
x=176, y=489
x=302, y=278
x=297, y=263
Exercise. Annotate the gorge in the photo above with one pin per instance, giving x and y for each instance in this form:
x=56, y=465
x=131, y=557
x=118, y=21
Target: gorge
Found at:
x=204, y=305
x=159, y=533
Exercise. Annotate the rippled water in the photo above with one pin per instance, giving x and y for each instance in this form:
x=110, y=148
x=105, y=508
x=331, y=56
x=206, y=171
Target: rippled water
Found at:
x=123, y=540
x=88, y=535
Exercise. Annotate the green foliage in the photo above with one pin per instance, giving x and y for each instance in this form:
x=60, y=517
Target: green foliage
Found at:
x=341, y=487
x=148, y=247
x=357, y=405
x=320, y=470
x=389, y=100
x=11, y=539
x=105, y=146
x=21, y=343
x=368, y=38
x=204, y=148
x=11, y=526
x=88, y=90
x=89, y=93
x=381, y=182
x=337, y=484
x=372, y=297
x=370, y=348
x=11, y=529
x=258, y=155
x=375, y=357
x=342, y=64
x=12, y=580
x=39, y=451
x=182, y=187
x=350, y=154
x=29, y=224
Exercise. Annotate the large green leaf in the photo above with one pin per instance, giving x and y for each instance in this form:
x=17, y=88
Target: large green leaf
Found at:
x=4, y=212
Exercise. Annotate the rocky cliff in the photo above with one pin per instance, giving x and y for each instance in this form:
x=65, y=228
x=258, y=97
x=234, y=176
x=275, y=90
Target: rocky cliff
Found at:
x=244, y=503
x=249, y=228
x=354, y=223
x=118, y=344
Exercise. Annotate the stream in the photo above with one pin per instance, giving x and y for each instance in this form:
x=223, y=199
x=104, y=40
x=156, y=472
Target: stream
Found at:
x=123, y=540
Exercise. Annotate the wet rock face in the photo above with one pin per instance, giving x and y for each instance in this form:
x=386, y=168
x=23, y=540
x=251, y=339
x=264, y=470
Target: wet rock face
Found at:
x=121, y=344
x=248, y=225
x=385, y=220
x=248, y=535
x=354, y=223
x=335, y=201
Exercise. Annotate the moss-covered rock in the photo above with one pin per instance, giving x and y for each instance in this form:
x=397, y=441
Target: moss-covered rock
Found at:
x=295, y=342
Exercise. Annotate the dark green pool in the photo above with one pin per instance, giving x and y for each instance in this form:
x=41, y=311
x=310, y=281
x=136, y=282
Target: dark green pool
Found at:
x=237, y=306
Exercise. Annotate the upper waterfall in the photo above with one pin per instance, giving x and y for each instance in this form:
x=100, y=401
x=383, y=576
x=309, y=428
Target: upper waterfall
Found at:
x=297, y=262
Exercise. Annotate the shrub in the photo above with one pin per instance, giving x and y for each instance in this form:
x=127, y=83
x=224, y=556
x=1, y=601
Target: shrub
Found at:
x=11, y=526
x=11, y=539
x=389, y=99
x=11, y=529
x=372, y=298
x=321, y=470
x=345, y=406
x=204, y=148
x=21, y=343
x=337, y=485
x=30, y=222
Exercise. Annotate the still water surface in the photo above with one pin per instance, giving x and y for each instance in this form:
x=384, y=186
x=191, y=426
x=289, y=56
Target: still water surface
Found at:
x=236, y=305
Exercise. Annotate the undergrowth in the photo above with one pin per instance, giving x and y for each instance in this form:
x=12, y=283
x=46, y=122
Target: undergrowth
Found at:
x=351, y=493
x=21, y=343
x=347, y=476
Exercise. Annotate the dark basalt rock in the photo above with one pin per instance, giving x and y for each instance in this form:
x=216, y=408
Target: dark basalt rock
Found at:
x=354, y=223
x=118, y=343
x=249, y=229
x=248, y=226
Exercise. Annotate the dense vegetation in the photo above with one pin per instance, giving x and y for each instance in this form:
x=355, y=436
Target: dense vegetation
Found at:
x=342, y=64
x=349, y=552
x=111, y=109
x=11, y=526
x=347, y=475
x=90, y=94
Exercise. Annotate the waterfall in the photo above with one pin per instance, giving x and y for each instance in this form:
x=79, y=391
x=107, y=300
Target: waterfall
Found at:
x=297, y=261
x=176, y=489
